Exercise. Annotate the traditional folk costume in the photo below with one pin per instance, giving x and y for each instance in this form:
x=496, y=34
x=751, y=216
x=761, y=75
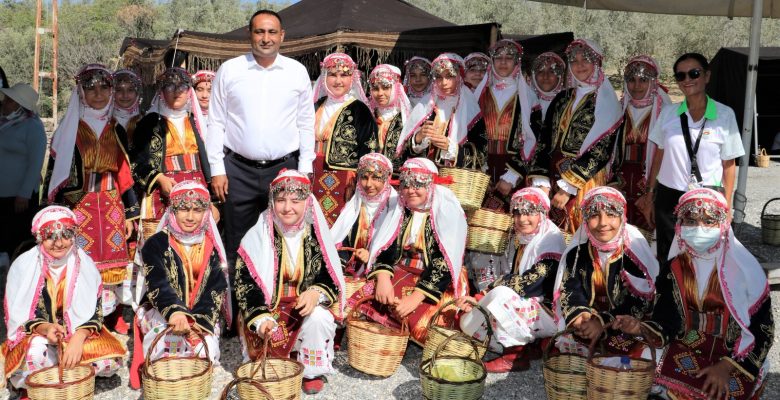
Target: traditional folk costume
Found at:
x=605, y=279
x=423, y=251
x=391, y=118
x=456, y=116
x=581, y=122
x=168, y=143
x=552, y=61
x=520, y=302
x=344, y=131
x=479, y=62
x=65, y=291
x=364, y=216
x=128, y=117
x=276, y=264
x=199, y=77
x=89, y=172
x=713, y=305
x=420, y=64
x=634, y=153
x=508, y=109
x=183, y=272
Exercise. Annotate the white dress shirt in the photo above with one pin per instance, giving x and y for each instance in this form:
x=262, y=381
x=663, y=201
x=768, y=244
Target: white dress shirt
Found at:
x=261, y=113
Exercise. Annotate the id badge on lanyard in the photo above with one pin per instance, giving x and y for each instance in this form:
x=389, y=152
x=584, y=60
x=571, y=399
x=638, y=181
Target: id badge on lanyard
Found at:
x=693, y=183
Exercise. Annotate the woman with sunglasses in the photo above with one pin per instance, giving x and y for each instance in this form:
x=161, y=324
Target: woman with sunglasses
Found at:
x=713, y=311
x=699, y=129
x=52, y=295
x=89, y=172
x=168, y=146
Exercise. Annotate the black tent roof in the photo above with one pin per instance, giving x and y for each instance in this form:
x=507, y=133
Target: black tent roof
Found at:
x=319, y=17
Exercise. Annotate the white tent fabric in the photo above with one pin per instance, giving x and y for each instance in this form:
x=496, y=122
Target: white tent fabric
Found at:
x=756, y=9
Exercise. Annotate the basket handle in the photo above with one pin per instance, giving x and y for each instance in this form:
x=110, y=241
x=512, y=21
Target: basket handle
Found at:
x=763, y=210
x=474, y=164
x=355, y=313
x=60, y=350
x=644, y=340
x=250, y=381
x=474, y=304
x=548, y=347
x=455, y=336
x=169, y=329
x=762, y=152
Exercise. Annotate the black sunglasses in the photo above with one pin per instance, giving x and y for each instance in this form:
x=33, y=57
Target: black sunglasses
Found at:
x=693, y=74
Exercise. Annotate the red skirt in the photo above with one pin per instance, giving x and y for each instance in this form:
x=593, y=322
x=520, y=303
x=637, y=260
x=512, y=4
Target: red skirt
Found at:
x=282, y=339
x=101, y=228
x=332, y=188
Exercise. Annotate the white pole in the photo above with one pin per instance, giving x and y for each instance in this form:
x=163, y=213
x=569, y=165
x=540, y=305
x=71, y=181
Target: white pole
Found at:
x=740, y=200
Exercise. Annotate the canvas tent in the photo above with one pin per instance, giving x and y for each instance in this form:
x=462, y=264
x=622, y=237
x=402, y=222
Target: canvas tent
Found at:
x=727, y=85
x=388, y=31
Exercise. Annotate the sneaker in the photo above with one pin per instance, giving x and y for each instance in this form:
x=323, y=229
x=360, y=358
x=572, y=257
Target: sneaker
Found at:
x=314, y=385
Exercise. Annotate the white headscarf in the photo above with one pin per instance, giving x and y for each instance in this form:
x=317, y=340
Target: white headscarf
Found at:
x=27, y=277
x=257, y=247
x=447, y=219
x=742, y=280
x=414, y=63
x=547, y=242
x=342, y=62
x=160, y=106
x=63, y=143
x=608, y=111
x=656, y=98
x=553, y=61
x=387, y=209
x=122, y=114
x=467, y=111
x=386, y=74
x=634, y=245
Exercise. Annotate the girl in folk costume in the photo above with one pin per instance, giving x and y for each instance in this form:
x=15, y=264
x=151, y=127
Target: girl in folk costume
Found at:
x=520, y=302
x=89, y=172
x=201, y=82
x=418, y=265
x=391, y=108
x=643, y=99
x=547, y=79
x=442, y=127
x=508, y=107
x=183, y=281
x=607, y=270
x=169, y=146
x=581, y=122
x=418, y=80
x=287, y=275
x=477, y=65
x=53, y=294
x=375, y=205
x=713, y=309
x=344, y=131
x=127, y=102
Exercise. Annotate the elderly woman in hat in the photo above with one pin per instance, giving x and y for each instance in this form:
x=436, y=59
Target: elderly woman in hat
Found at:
x=53, y=295
x=21, y=157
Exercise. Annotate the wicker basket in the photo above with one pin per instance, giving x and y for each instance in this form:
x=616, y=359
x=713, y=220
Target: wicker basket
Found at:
x=352, y=285
x=469, y=184
x=175, y=378
x=470, y=372
x=56, y=383
x=261, y=392
x=488, y=231
x=438, y=334
x=281, y=377
x=374, y=348
x=609, y=383
x=770, y=226
x=564, y=373
x=762, y=159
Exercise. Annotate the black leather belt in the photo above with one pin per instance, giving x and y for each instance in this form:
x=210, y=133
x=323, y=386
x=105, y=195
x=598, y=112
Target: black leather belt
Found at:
x=261, y=163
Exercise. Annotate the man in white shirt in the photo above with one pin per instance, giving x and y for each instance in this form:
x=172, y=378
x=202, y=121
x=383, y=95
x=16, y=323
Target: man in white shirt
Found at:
x=261, y=120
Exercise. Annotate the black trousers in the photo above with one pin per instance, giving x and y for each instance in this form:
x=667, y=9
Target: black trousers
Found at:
x=666, y=199
x=15, y=227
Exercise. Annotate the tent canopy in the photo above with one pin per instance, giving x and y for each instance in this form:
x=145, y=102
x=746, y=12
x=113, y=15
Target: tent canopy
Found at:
x=722, y=8
x=727, y=85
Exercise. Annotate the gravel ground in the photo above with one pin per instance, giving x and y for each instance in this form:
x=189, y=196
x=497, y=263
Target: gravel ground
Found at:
x=348, y=384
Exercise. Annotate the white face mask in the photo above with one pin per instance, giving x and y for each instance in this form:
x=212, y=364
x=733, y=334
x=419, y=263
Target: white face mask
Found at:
x=700, y=238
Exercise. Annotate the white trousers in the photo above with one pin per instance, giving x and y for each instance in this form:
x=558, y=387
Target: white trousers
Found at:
x=43, y=354
x=516, y=321
x=152, y=323
x=314, y=343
